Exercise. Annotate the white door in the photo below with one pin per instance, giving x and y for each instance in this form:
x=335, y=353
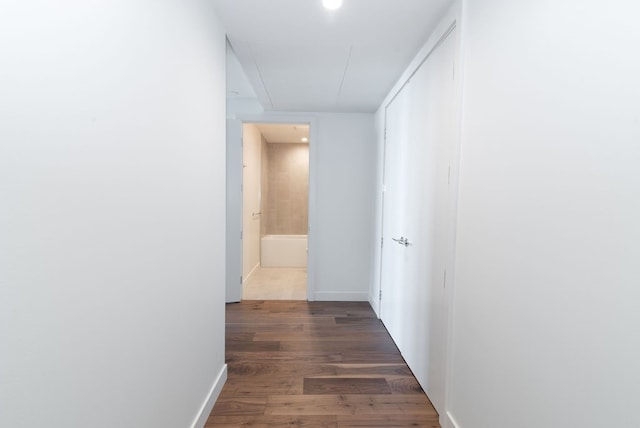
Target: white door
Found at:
x=233, y=272
x=396, y=152
x=418, y=153
x=442, y=126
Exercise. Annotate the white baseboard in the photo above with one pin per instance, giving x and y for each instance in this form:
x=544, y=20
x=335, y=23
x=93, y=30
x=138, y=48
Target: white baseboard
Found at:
x=339, y=296
x=214, y=393
x=375, y=304
x=255, y=268
x=447, y=421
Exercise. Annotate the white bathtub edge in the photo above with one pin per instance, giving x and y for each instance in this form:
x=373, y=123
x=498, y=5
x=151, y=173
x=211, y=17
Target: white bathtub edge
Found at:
x=284, y=251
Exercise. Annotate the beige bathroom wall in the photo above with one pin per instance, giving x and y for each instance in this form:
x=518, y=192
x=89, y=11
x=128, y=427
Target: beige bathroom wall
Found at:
x=252, y=142
x=264, y=187
x=287, y=193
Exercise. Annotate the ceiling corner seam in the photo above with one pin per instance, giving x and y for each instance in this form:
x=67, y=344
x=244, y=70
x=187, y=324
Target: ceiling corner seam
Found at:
x=344, y=74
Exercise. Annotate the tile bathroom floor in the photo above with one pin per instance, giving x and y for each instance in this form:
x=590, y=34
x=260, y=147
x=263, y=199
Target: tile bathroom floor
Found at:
x=276, y=284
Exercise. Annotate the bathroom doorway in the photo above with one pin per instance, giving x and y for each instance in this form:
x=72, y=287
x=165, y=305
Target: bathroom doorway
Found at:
x=275, y=211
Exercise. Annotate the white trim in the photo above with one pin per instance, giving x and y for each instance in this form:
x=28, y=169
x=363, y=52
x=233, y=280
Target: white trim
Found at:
x=375, y=303
x=449, y=19
x=250, y=274
x=340, y=296
x=458, y=11
x=447, y=421
x=233, y=212
x=214, y=393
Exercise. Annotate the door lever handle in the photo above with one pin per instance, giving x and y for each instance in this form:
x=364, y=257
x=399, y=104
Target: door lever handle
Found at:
x=402, y=241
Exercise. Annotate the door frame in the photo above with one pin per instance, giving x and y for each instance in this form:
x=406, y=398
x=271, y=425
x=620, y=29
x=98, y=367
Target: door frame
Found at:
x=233, y=206
x=234, y=210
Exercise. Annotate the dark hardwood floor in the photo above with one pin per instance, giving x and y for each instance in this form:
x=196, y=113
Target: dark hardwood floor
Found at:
x=315, y=364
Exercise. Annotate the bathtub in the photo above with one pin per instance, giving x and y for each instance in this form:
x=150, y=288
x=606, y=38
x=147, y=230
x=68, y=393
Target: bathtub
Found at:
x=284, y=251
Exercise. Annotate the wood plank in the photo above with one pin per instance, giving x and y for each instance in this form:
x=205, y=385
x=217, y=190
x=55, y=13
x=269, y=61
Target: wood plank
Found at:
x=232, y=405
x=273, y=318
x=349, y=405
x=318, y=364
x=263, y=385
x=262, y=328
x=346, y=385
x=253, y=346
x=338, y=346
x=353, y=321
x=323, y=335
x=397, y=369
x=288, y=357
x=389, y=357
x=360, y=421
x=270, y=421
x=276, y=370
x=404, y=385
x=316, y=370
x=244, y=336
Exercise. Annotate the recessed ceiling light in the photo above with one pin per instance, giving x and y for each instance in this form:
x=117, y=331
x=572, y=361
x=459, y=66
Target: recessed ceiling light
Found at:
x=304, y=139
x=332, y=4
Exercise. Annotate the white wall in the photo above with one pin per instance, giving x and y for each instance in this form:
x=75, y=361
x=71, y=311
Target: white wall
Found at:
x=345, y=201
x=376, y=248
x=112, y=189
x=546, y=327
x=241, y=98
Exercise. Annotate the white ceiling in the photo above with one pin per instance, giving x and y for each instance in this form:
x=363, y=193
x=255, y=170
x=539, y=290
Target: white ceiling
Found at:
x=280, y=133
x=299, y=56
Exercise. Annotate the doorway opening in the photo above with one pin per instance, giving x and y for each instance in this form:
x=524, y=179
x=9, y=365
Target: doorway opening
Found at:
x=275, y=211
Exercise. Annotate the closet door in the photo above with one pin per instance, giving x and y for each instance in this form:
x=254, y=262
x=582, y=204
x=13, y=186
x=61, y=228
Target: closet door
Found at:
x=395, y=209
x=418, y=155
x=441, y=123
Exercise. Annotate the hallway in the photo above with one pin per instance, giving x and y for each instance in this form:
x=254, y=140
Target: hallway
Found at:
x=315, y=364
